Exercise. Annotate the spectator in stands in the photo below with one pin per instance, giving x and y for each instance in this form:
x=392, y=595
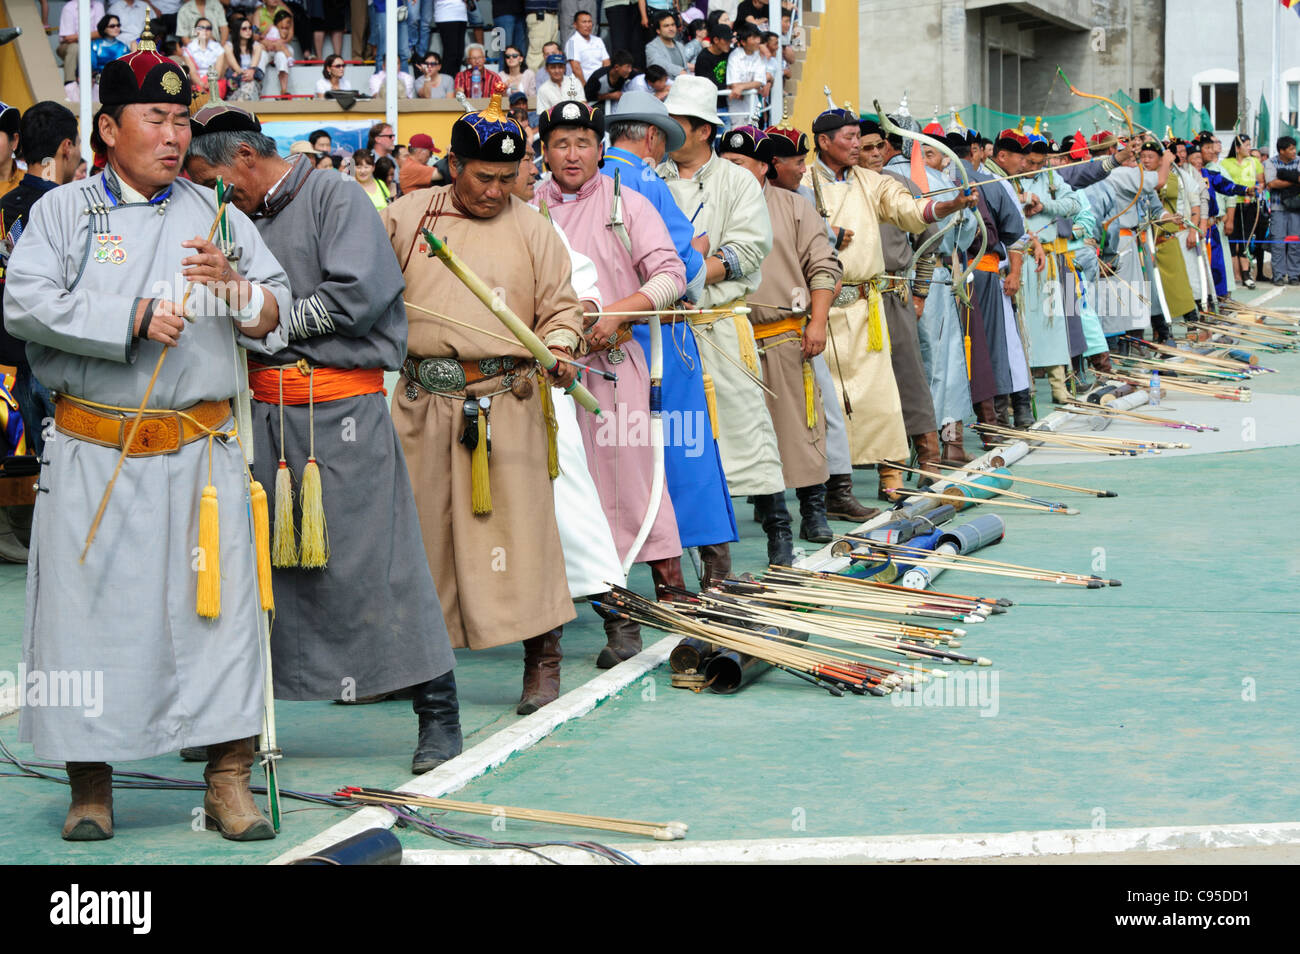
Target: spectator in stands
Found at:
x=278, y=41
x=69, y=47
x=132, y=14
x=775, y=55
x=405, y=82
x=242, y=64
x=416, y=170
x=452, y=17
x=108, y=46
x=653, y=81
x=192, y=11
x=753, y=12
x=624, y=19
x=712, y=61
x=81, y=171
x=379, y=141
x=386, y=172
x=476, y=80
x=327, y=16
x=543, y=25
x=519, y=111
x=508, y=17
x=664, y=50
x=363, y=170
x=567, y=12
x=332, y=78
x=650, y=11
x=606, y=85
x=432, y=82
x=517, y=77
x=585, y=52
x=11, y=174
x=201, y=54
x=550, y=92
x=321, y=141
x=747, y=78
x=721, y=12
x=696, y=36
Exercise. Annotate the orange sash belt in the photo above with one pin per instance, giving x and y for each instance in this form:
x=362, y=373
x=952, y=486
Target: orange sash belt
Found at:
x=771, y=329
x=989, y=263
x=325, y=384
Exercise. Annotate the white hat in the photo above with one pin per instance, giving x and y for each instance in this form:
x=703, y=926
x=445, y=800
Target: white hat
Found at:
x=695, y=96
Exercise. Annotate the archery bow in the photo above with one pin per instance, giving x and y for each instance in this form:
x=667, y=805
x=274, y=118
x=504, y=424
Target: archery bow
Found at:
x=1132, y=135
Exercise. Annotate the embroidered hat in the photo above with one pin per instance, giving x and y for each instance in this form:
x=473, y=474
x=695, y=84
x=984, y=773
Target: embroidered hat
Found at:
x=145, y=76
x=1011, y=140
x=786, y=141
x=571, y=113
x=834, y=119
x=749, y=141
x=488, y=135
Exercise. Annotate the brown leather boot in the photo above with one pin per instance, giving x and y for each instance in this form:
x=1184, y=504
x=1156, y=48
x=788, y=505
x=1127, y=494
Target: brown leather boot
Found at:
x=986, y=413
x=954, y=447
x=622, y=640
x=927, y=456
x=541, y=671
x=668, y=572
x=90, y=817
x=228, y=805
x=890, y=481
x=1101, y=362
x=841, y=504
x=715, y=558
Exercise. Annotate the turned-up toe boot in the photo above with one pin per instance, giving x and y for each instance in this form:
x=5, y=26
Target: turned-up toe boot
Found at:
x=90, y=817
x=812, y=514
x=228, y=805
x=840, y=502
x=776, y=524
x=440, y=739
x=541, y=672
x=622, y=639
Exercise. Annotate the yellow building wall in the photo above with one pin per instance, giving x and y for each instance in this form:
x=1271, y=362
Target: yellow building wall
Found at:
x=831, y=60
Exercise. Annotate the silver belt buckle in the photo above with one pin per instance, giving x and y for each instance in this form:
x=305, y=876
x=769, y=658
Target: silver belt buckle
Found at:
x=848, y=295
x=443, y=375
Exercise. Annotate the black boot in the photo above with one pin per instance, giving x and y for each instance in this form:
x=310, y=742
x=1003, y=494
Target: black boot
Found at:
x=812, y=512
x=776, y=524
x=440, y=738
x=622, y=639
x=1160, y=329
x=1023, y=409
x=1002, y=407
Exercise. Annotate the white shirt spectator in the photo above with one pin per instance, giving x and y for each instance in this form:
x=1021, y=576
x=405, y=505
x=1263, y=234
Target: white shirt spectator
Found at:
x=745, y=67
x=548, y=94
x=132, y=15
x=68, y=22
x=405, y=84
x=204, y=56
x=590, y=53
x=166, y=7
x=323, y=85
x=450, y=11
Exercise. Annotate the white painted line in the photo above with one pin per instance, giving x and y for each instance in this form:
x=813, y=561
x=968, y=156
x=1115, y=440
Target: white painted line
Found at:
x=898, y=848
x=498, y=747
x=1266, y=297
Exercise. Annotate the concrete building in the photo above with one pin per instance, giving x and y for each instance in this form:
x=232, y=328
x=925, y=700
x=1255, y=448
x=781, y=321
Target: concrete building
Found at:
x=1202, y=64
x=950, y=53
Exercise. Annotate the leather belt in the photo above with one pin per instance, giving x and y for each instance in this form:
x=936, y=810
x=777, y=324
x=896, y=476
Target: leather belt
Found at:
x=160, y=432
x=450, y=375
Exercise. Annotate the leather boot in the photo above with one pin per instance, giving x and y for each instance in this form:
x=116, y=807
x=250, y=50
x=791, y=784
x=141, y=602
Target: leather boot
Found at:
x=1056, y=378
x=1160, y=329
x=667, y=572
x=840, y=502
x=1002, y=407
x=1101, y=363
x=927, y=456
x=716, y=561
x=228, y=805
x=776, y=524
x=986, y=413
x=542, y=670
x=954, y=447
x=1023, y=408
x=90, y=817
x=622, y=639
x=890, y=482
x=812, y=514
x=439, y=711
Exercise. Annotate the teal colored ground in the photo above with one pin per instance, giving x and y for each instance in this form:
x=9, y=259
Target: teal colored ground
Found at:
x=1124, y=703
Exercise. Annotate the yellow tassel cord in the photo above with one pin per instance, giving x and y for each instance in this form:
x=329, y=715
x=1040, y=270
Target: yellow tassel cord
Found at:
x=711, y=399
x=315, y=536
x=552, y=427
x=208, y=603
x=745, y=338
x=284, y=552
x=875, y=321
x=262, y=543
x=480, y=486
x=809, y=396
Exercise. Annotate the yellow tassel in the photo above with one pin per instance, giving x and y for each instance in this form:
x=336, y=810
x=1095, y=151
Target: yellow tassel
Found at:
x=552, y=428
x=745, y=338
x=809, y=396
x=875, y=321
x=480, y=486
x=315, y=536
x=285, y=551
x=968, y=368
x=711, y=400
x=209, y=588
x=262, y=542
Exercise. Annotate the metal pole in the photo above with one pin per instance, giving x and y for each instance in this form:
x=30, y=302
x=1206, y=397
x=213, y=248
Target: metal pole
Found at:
x=85, y=88
x=777, y=110
x=391, y=66
x=1275, y=114
x=1241, y=70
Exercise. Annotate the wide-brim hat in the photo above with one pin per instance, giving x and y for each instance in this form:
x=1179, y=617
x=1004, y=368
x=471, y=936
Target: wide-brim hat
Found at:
x=695, y=96
x=637, y=106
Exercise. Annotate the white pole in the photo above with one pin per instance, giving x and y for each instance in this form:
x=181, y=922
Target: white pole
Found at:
x=85, y=87
x=391, y=66
x=777, y=111
x=1275, y=115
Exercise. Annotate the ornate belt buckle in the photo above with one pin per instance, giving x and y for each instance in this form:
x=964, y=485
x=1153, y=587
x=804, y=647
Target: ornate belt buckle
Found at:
x=616, y=355
x=442, y=375
x=848, y=295
x=157, y=434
